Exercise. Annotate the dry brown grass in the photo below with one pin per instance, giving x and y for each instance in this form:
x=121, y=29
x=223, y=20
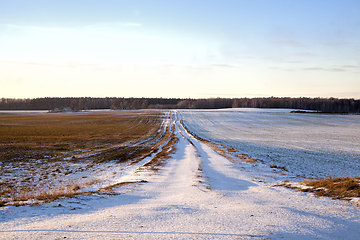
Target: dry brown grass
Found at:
x=25, y=137
x=337, y=188
x=111, y=188
x=36, y=196
x=38, y=153
x=278, y=167
x=343, y=188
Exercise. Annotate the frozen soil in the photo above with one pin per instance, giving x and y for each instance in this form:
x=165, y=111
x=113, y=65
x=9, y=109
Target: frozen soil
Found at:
x=198, y=194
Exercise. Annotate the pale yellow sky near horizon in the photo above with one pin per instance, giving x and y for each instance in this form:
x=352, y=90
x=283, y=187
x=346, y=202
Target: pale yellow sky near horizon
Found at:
x=30, y=80
x=237, y=49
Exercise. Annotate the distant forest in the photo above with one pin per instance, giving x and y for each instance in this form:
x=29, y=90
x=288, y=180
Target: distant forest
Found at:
x=328, y=105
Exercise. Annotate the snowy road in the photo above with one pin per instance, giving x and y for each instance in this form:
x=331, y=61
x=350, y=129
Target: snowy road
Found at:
x=197, y=195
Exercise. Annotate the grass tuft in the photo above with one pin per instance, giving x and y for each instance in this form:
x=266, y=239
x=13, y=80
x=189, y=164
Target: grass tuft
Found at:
x=278, y=167
x=336, y=188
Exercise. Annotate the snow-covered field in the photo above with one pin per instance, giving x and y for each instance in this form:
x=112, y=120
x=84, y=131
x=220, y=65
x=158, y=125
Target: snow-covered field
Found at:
x=310, y=145
x=198, y=194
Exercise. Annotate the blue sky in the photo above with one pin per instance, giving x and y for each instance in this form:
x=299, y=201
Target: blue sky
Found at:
x=202, y=48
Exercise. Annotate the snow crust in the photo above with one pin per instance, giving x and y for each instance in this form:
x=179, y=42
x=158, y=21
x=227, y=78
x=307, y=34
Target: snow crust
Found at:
x=310, y=145
x=197, y=195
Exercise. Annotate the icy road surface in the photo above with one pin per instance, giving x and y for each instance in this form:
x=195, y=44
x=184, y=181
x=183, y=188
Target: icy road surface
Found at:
x=197, y=195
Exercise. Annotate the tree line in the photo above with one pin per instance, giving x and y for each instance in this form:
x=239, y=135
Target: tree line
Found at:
x=328, y=105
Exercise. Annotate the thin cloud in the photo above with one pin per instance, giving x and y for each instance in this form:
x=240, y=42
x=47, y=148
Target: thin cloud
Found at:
x=283, y=59
x=223, y=65
x=355, y=67
x=332, y=69
x=288, y=43
x=336, y=43
x=304, y=54
x=343, y=68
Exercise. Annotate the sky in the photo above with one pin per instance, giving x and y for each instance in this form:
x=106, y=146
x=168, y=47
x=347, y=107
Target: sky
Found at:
x=180, y=48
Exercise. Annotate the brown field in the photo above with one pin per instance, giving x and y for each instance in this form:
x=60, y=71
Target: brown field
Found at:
x=35, y=136
x=52, y=155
